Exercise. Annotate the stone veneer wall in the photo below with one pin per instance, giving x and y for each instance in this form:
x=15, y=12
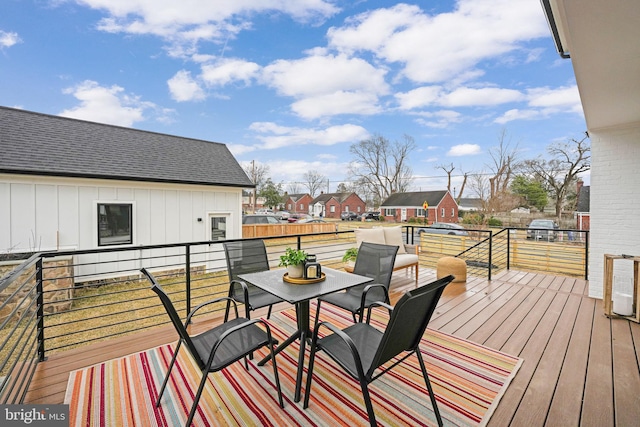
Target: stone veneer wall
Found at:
x=58, y=286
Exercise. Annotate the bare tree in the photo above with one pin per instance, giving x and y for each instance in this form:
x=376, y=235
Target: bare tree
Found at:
x=505, y=163
x=294, y=188
x=465, y=177
x=258, y=174
x=314, y=181
x=559, y=174
x=479, y=184
x=448, y=169
x=381, y=167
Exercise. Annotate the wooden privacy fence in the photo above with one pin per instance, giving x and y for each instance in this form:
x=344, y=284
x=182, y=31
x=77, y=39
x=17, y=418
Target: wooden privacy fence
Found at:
x=564, y=257
x=286, y=229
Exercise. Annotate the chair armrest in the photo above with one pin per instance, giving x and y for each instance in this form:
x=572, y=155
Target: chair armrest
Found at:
x=213, y=301
x=243, y=285
x=363, y=297
x=411, y=249
x=377, y=304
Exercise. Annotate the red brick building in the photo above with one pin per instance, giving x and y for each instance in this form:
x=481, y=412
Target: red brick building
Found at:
x=297, y=203
x=441, y=206
x=331, y=205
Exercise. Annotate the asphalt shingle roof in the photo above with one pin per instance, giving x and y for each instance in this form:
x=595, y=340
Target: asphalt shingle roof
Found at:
x=415, y=199
x=325, y=197
x=584, y=199
x=39, y=144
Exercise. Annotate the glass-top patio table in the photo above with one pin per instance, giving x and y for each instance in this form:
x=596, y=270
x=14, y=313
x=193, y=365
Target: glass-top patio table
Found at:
x=300, y=295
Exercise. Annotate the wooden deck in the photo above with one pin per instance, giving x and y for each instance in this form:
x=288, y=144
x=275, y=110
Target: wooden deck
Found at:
x=580, y=368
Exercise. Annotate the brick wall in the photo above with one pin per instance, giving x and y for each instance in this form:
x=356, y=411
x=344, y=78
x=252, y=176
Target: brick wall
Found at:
x=615, y=205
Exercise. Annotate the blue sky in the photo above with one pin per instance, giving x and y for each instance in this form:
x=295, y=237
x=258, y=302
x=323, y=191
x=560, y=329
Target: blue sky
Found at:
x=292, y=84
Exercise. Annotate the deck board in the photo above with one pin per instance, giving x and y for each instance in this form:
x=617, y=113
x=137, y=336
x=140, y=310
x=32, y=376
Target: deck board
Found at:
x=567, y=399
x=574, y=356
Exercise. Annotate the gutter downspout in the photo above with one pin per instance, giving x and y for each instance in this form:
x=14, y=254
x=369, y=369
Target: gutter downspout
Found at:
x=554, y=29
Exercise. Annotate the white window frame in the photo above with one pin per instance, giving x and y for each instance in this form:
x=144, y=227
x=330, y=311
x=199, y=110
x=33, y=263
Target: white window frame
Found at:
x=96, y=222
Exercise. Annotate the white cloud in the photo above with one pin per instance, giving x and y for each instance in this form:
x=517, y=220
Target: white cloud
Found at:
x=564, y=98
x=336, y=103
x=275, y=136
x=227, y=71
x=544, y=102
x=328, y=85
x=319, y=75
x=439, y=119
x=8, y=39
x=107, y=105
x=441, y=47
x=184, y=88
x=470, y=97
x=464, y=150
x=183, y=24
x=427, y=96
x=516, y=114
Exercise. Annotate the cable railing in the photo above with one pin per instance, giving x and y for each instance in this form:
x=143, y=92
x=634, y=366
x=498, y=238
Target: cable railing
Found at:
x=57, y=301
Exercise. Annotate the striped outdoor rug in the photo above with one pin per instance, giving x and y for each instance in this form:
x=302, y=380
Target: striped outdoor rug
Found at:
x=468, y=381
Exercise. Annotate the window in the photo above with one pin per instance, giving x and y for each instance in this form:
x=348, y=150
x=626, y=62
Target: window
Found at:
x=389, y=212
x=442, y=212
x=301, y=207
x=346, y=208
x=358, y=209
x=289, y=206
x=453, y=212
x=332, y=208
x=115, y=224
x=218, y=227
x=420, y=212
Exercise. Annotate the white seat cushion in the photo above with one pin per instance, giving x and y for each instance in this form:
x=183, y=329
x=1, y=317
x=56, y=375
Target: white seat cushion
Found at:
x=371, y=235
x=393, y=237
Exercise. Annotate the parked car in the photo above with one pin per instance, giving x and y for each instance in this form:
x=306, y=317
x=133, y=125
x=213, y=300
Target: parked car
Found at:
x=349, y=216
x=371, y=216
x=264, y=211
x=444, y=228
x=260, y=219
x=295, y=217
x=543, y=229
x=282, y=215
x=310, y=220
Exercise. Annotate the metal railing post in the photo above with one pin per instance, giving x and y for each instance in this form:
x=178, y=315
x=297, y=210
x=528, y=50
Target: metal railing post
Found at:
x=299, y=242
x=490, y=252
x=40, y=309
x=188, y=276
x=509, y=248
x=586, y=255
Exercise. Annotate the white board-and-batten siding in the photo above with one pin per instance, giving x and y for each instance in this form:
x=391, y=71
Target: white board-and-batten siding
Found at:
x=40, y=213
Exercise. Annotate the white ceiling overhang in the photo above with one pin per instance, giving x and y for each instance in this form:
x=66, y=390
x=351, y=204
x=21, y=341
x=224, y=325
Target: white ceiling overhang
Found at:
x=602, y=38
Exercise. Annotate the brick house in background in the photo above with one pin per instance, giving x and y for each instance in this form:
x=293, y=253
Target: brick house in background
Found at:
x=399, y=207
x=331, y=205
x=298, y=203
x=583, y=215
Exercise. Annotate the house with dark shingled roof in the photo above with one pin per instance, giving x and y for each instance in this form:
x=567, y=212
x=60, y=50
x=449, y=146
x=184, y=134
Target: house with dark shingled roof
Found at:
x=74, y=184
x=331, y=205
x=440, y=206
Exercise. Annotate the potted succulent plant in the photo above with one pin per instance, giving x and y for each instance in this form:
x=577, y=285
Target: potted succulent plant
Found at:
x=293, y=259
x=350, y=257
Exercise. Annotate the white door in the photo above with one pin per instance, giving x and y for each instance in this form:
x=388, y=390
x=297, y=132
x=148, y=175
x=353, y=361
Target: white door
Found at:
x=403, y=214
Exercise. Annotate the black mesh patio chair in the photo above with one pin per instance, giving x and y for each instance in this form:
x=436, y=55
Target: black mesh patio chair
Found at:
x=247, y=256
x=361, y=349
x=216, y=348
x=374, y=261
